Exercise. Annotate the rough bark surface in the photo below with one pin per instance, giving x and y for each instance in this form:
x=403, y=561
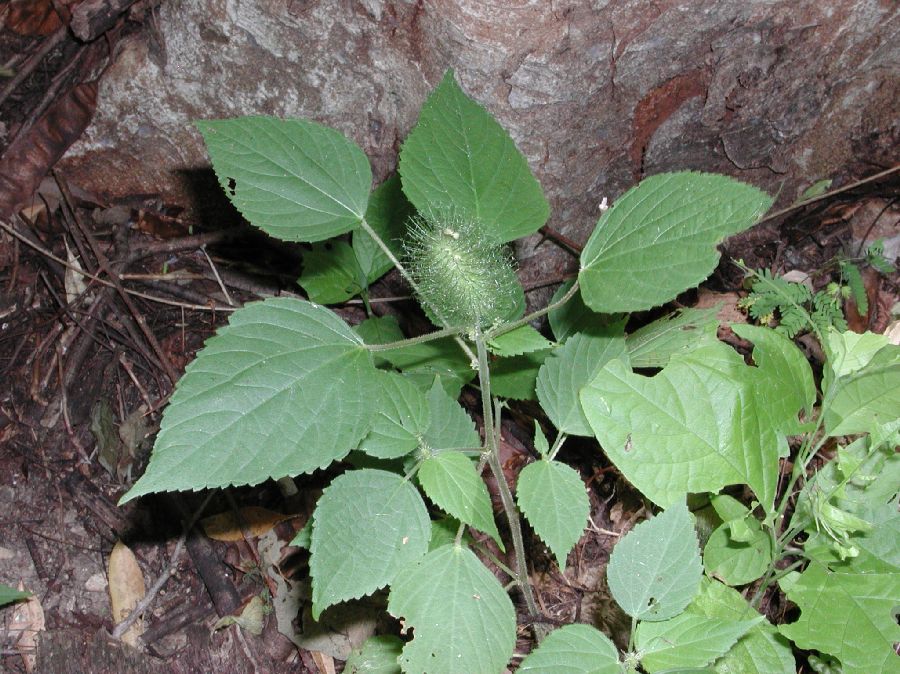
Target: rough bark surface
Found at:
x=597, y=94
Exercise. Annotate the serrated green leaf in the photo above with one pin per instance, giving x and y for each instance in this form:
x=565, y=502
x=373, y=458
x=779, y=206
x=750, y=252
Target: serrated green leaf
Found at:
x=682, y=331
x=738, y=562
x=574, y=316
x=387, y=213
x=524, y=339
x=463, y=619
x=10, y=594
x=285, y=388
x=835, y=605
x=659, y=238
x=654, y=571
x=570, y=368
x=331, y=274
x=451, y=427
x=368, y=525
x=687, y=640
x=451, y=481
x=573, y=649
x=294, y=179
x=303, y=538
x=762, y=650
x=378, y=655
x=516, y=377
x=401, y=418
x=553, y=498
x=459, y=159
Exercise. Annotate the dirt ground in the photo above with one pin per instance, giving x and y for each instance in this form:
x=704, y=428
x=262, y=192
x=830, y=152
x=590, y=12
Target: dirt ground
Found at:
x=87, y=365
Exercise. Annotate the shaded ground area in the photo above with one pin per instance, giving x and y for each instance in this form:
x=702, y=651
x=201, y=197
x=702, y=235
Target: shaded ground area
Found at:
x=102, y=305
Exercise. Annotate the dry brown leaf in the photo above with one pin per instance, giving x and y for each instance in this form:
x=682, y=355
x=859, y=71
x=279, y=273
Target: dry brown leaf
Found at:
x=27, y=621
x=126, y=589
x=324, y=662
x=226, y=527
x=729, y=312
x=27, y=160
x=32, y=17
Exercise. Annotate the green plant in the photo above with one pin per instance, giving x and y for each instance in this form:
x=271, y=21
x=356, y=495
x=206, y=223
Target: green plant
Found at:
x=8, y=594
x=288, y=387
x=795, y=308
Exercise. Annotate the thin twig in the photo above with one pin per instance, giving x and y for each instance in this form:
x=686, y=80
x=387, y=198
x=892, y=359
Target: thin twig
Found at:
x=167, y=573
x=218, y=278
x=830, y=193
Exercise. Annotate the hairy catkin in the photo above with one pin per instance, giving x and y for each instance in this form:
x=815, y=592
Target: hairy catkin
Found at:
x=464, y=278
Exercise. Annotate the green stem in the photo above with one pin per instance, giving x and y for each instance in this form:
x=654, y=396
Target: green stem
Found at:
x=493, y=459
x=421, y=339
x=367, y=228
x=525, y=320
x=557, y=445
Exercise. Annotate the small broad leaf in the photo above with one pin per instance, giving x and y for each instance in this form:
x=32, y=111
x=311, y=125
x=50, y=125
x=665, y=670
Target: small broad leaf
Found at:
x=524, y=339
x=463, y=619
x=379, y=330
x=553, y=498
x=682, y=331
x=762, y=650
x=378, y=655
x=285, y=388
x=573, y=649
x=654, y=571
x=368, y=524
x=687, y=640
x=570, y=368
x=294, y=179
x=331, y=274
x=443, y=532
x=451, y=427
x=516, y=377
x=10, y=594
x=659, y=238
x=400, y=420
x=738, y=562
x=386, y=214
x=459, y=159
x=540, y=440
x=834, y=605
x=452, y=482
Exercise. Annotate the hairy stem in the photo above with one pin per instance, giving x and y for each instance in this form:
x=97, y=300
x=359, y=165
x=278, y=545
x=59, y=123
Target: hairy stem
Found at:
x=509, y=506
x=525, y=320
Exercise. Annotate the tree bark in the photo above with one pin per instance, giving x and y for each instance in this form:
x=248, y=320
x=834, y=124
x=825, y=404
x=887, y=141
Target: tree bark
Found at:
x=596, y=94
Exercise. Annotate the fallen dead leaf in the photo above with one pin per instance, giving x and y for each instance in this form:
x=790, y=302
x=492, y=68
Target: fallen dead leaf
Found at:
x=126, y=589
x=893, y=333
x=226, y=527
x=250, y=618
x=27, y=160
x=729, y=312
x=27, y=621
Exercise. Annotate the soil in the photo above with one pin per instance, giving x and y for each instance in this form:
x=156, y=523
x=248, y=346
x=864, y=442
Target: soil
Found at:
x=86, y=370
